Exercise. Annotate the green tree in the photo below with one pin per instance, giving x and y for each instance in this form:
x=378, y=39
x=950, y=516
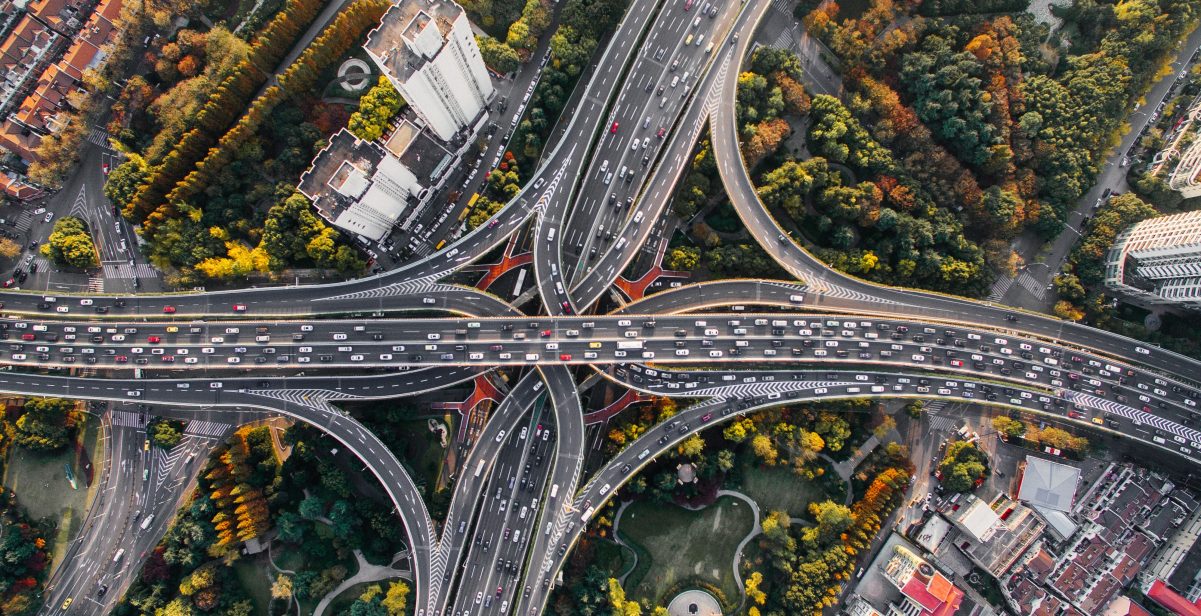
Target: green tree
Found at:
x=165, y=433
x=70, y=244
x=497, y=54
x=123, y=181
x=44, y=423
x=962, y=466
x=376, y=109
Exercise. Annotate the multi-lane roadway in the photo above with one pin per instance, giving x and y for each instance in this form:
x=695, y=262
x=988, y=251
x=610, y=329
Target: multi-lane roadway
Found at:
x=669, y=67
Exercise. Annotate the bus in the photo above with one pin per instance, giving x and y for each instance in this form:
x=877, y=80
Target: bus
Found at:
x=471, y=202
x=479, y=469
x=554, y=490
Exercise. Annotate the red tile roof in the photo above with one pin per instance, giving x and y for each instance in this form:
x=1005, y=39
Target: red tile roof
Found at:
x=1169, y=599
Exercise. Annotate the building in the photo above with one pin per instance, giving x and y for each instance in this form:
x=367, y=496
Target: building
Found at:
x=428, y=51
x=1181, y=157
x=975, y=519
x=1158, y=261
x=925, y=591
x=1048, y=485
x=363, y=187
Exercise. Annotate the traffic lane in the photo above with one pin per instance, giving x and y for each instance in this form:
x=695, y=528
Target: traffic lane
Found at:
x=570, y=349
x=638, y=118
x=480, y=466
x=588, y=289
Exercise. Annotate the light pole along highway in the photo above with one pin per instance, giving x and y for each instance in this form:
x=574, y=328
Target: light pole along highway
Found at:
x=827, y=337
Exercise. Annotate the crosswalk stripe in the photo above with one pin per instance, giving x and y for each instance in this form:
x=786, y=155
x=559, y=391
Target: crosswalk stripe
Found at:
x=125, y=270
x=200, y=427
x=1031, y=284
x=126, y=419
x=1000, y=288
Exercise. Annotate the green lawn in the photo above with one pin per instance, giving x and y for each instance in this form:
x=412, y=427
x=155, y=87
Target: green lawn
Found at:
x=40, y=481
x=252, y=575
x=685, y=544
x=776, y=488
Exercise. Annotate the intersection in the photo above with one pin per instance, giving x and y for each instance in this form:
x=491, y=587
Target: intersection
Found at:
x=739, y=345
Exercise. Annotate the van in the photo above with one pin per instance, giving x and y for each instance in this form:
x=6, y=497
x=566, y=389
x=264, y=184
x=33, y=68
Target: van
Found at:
x=146, y=523
x=550, y=234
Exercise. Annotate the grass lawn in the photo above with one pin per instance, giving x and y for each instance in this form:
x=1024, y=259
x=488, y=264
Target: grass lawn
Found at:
x=776, y=488
x=252, y=575
x=40, y=481
x=684, y=544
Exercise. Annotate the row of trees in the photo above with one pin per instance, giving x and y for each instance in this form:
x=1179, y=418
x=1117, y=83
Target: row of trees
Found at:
x=1048, y=436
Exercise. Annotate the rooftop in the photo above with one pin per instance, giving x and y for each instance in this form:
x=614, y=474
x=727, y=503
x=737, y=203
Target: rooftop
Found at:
x=394, y=40
x=331, y=180
x=1049, y=484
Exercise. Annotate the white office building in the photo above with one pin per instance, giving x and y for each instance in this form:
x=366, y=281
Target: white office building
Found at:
x=428, y=51
x=1158, y=261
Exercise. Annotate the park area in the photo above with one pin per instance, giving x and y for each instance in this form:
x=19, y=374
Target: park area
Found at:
x=777, y=488
x=40, y=482
x=665, y=539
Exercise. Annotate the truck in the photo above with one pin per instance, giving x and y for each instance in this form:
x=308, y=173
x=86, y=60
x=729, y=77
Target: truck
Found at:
x=629, y=344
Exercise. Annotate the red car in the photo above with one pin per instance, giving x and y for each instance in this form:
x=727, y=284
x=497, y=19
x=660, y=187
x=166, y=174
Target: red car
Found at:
x=239, y=307
x=168, y=309
x=154, y=340
x=566, y=307
x=168, y=359
x=28, y=337
x=662, y=131
x=613, y=129
x=706, y=417
x=565, y=357
x=546, y=333
x=122, y=359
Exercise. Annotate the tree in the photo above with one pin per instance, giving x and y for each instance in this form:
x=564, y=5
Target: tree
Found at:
x=165, y=433
x=1010, y=428
x=683, y=258
x=44, y=424
x=282, y=588
x=763, y=447
x=376, y=109
x=692, y=446
x=497, y=55
x=725, y=460
x=962, y=466
x=9, y=249
x=396, y=598
x=70, y=244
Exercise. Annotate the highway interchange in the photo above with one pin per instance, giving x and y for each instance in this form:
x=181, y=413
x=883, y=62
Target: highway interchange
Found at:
x=520, y=501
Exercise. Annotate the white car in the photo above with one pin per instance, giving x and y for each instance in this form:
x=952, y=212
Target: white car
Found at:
x=233, y=360
x=63, y=309
x=1141, y=350
x=49, y=216
x=190, y=360
x=85, y=302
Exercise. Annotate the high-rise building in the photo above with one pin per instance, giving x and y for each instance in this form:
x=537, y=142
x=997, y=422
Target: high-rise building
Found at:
x=428, y=51
x=1158, y=261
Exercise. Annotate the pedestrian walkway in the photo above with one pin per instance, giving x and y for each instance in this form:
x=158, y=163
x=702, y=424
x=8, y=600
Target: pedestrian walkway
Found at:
x=98, y=137
x=95, y=284
x=200, y=427
x=125, y=270
x=367, y=573
x=1035, y=286
x=999, y=288
x=126, y=419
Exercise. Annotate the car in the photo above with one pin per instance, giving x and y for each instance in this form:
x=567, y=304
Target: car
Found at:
x=1142, y=351
x=104, y=168
x=49, y=217
x=662, y=131
x=154, y=340
x=67, y=603
x=239, y=307
x=85, y=302
x=613, y=129
x=63, y=309
x=168, y=309
x=565, y=357
x=546, y=333
x=493, y=223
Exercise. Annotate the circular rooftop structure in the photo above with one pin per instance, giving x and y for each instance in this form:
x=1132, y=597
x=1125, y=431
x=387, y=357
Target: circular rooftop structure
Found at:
x=694, y=603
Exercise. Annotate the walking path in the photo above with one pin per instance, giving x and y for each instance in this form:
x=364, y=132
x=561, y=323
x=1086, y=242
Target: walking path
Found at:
x=367, y=573
x=754, y=532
